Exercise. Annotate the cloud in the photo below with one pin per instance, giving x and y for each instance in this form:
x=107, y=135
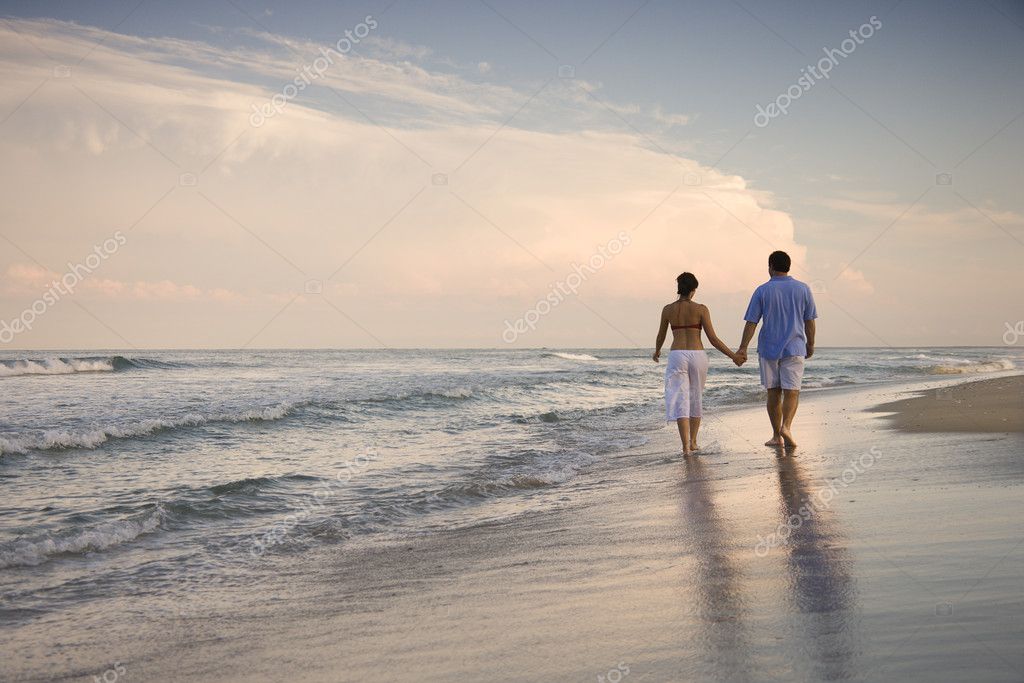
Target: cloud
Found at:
x=856, y=280
x=885, y=210
x=671, y=119
x=26, y=280
x=323, y=191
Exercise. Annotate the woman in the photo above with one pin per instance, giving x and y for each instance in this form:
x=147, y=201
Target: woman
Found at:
x=687, y=369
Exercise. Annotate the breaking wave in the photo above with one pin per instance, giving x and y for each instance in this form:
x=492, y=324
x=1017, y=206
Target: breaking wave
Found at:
x=71, y=366
x=971, y=368
x=54, y=440
x=28, y=552
x=569, y=356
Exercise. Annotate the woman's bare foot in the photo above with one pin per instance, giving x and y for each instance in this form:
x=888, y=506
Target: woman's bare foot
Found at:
x=687, y=452
x=787, y=438
x=694, y=448
x=774, y=441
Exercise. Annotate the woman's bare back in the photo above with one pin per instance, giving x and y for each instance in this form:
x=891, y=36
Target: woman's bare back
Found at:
x=686, y=318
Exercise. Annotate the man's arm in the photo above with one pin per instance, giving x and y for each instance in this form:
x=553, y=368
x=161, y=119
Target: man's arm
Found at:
x=748, y=334
x=809, y=329
x=754, y=311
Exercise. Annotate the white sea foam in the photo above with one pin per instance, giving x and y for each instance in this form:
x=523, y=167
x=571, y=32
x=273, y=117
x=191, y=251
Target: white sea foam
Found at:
x=55, y=366
x=971, y=368
x=33, y=551
x=92, y=438
x=572, y=356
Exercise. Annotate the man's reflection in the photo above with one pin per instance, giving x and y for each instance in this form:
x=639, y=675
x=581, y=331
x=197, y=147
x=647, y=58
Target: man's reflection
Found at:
x=821, y=582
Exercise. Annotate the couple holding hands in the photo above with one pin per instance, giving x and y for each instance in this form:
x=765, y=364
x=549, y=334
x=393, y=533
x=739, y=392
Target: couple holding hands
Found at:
x=785, y=305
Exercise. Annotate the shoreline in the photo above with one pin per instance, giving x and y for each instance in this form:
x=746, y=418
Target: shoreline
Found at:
x=994, y=405
x=899, y=575
x=653, y=565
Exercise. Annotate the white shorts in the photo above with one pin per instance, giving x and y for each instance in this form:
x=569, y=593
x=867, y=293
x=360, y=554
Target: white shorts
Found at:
x=786, y=373
x=685, y=375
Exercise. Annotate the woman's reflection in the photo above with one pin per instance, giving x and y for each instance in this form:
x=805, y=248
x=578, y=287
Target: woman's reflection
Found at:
x=820, y=578
x=722, y=639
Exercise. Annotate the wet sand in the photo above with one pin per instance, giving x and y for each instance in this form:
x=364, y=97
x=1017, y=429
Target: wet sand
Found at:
x=992, y=405
x=868, y=554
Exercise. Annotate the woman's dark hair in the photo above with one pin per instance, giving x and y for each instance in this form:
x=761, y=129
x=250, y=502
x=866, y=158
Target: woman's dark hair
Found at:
x=685, y=284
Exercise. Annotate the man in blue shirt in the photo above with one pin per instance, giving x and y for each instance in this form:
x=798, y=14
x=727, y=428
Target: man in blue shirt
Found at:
x=786, y=339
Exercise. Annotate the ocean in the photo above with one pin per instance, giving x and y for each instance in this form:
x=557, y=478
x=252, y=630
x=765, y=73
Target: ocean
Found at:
x=142, y=473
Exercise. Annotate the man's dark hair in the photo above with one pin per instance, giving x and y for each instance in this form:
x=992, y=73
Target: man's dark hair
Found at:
x=685, y=284
x=779, y=261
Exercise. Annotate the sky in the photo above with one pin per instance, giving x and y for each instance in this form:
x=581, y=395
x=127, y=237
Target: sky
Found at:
x=485, y=173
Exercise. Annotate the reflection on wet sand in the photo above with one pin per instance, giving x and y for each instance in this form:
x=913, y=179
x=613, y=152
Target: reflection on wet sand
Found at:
x=723, y=641
x=821, y=582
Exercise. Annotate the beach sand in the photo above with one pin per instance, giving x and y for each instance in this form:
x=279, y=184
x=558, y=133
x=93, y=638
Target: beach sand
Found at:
x=902, y=560
x=993, y=405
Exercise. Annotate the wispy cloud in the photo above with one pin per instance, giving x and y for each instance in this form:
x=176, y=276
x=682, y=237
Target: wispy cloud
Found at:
x=534, y=178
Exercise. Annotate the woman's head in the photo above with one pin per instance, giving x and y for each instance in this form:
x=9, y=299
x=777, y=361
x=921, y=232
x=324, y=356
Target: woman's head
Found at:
x=686, y=284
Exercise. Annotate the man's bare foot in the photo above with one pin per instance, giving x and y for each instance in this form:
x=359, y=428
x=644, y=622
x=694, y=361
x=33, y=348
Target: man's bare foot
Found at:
x=774, y=441
x=787, y=438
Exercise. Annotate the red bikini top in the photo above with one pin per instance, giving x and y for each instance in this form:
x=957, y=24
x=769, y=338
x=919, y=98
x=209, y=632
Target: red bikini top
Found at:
x=695, y=326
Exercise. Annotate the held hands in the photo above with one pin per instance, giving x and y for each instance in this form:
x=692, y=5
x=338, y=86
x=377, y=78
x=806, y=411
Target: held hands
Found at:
x=740, y=357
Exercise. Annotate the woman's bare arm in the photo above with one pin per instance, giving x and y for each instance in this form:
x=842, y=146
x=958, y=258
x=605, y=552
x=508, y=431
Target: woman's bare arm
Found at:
x=662, y=333
x=709, y=329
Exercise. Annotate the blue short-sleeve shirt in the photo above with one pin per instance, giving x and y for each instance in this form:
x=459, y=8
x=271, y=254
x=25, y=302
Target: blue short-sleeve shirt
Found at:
x=784, y=304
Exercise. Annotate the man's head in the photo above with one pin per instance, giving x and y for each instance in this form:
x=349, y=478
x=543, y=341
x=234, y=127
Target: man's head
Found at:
x=778, y=263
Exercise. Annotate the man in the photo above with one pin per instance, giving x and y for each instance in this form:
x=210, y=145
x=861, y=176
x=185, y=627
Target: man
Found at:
x=786, y=339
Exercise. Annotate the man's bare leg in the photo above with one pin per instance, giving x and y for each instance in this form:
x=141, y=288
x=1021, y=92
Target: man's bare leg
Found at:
x=684, y=433
x=790, y=401
x=775, y=416
x=694, y=428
